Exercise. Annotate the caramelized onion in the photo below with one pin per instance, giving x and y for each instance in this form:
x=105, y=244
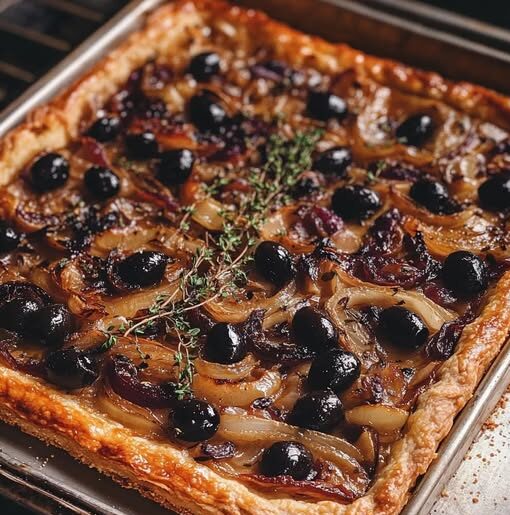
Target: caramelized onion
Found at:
x=127, y=413
x=247, y=428
x=242, y=393
x=233, y=372
x=313, y=489
x=384, y=419
x=232, y=310
x=433, y=314
x=123, y=378
x=207, y=213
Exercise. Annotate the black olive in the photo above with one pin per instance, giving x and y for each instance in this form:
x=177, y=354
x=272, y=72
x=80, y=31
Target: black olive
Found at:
x=324, y=105
x=51, y=324
x=494, y=193
x=23, y=290
x=333, y=162
x=142, y=145
x=205, y=112
x=465, y=273
x=15, y=313
x=194, y=420
x=336, y=369
x=49, y=172
x=141, y=269
x=313, y=330
x=354, y=202
x=105, y=129
x=175, y=166
x=434, y=196
x=416, y=130
x=287, y=459
x=274, y=262
x=9, y=237
x=102, y=182
x=319, y=410
x=224, y=345
x=306, y=185
x=403, y=327
x=70, y=369
x=204, y=66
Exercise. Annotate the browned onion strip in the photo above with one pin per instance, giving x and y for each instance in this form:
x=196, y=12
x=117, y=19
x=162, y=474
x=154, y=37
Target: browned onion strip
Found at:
x=241, y=393
x=233, y=372
x=247, y=428
x=232, y=311
x=433, y=314
x=384, y=419
x=340, y=492
x=126, y=413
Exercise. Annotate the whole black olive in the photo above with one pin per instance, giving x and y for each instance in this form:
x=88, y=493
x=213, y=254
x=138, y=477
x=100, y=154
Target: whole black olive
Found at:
x=354, y=202
x=49, y=172
x=51, y=324
x=434, y=196
x=102, y=182
x=323, y=105
x=336, y=369
x=175, y=166
x=319, y=410
x=287, y=459
x=141, y=269
x=9, y=237
x=224, y=345
x=465, y=273
x=205, y=112
x=416, y=130
x=403, y=327
x=105, y=129
x=142, y=145
x=194, y=420
x=494, y=193
x=313, y=329
x=274, y=262
x=70, y=368
x=15, y=313
x=333, y=162
x=205, y=65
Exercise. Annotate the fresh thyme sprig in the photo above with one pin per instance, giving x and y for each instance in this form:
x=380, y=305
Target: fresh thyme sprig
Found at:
x=218, y=268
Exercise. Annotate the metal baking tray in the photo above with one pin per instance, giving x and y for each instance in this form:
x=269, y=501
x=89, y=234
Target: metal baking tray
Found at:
x=49, y=481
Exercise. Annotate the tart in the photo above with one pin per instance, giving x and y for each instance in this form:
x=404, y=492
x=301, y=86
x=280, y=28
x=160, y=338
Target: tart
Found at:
x=248, y=271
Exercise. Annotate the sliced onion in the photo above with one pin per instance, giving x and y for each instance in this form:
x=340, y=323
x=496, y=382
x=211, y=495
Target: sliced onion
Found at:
x=384, y=419
x=123, y=377
x=241, y=393
x=371, y=295
x=248, y=428
x=127, y=413
x=233, y=372
x=207, y=213
x=234, y=311
x=433, y=314
x=476, y=235
x=368, y=444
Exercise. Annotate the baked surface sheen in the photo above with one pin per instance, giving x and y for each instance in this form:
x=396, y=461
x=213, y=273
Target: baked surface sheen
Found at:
x=158, y=469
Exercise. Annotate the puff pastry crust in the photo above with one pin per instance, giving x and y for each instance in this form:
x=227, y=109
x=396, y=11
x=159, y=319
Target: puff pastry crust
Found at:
x=158, y=470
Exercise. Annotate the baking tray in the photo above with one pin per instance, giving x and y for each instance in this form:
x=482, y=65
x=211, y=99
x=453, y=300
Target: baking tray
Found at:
x=47, y=479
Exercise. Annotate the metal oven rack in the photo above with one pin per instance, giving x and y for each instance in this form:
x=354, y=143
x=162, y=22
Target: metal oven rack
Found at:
x=36, y=34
